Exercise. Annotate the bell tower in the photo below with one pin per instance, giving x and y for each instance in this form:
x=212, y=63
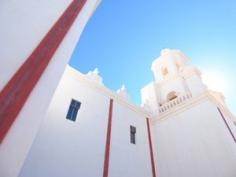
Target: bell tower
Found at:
x=173, y=78
x=190, y=122
x=170, y=63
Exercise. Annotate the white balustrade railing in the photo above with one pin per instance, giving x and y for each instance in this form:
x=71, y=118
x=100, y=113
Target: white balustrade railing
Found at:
x=177, y=101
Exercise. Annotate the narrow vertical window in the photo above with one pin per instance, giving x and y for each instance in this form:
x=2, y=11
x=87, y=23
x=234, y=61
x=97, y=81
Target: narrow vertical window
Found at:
x=73, y=110
x=132, y=134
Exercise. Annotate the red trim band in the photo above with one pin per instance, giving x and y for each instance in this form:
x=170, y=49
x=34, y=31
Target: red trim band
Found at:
x=15, y=93
x=151, y=150
x=108, y=141
x=227, y=125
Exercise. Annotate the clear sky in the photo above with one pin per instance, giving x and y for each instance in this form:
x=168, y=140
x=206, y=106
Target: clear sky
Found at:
x=123, y=37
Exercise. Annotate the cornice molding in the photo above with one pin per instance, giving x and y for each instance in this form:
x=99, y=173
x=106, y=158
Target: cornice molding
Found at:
x=105, y=91
x=182, y=75
x=206, y=96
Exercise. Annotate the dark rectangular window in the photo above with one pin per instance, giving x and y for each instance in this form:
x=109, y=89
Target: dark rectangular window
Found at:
x=73, y=110
x=132, y=134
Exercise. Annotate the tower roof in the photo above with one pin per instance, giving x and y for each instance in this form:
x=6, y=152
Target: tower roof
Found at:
x=170, y=54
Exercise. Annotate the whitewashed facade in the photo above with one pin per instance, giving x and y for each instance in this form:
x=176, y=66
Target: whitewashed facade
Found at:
x=81, y=144
x=189, y=135
x=182, y=129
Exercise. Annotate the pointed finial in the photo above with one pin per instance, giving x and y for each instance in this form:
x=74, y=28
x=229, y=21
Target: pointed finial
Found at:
x=96, y=71
x=122, y=91
x=94, y=76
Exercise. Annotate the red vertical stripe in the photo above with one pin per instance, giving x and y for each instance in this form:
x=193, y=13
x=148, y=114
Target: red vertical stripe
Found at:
x=151, y=150
x=108, y=141
x=226, y=124
x=15, y=93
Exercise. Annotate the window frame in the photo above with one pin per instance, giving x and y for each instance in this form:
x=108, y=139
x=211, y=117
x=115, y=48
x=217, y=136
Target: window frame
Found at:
x=132, y=134
x=73, y=110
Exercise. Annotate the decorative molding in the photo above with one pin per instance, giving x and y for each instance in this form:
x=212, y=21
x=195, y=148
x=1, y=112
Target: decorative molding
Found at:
x=207, y=95
x=182, y=75
x=108, y=141
x=181, y=99
x=151, y=149
x=218, y=102
x=94, y=76
x=182, y=107
x=226, y=124
x=105, y=91
x=145, y=113
x=123, y=92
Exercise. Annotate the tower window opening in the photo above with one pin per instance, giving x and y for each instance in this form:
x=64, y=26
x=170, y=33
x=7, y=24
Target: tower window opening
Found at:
x=171, y=96
x=164, y=71
x=177, y=66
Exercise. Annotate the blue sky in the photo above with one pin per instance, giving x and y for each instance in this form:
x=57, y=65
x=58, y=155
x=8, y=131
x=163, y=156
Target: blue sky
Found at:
x=123, y=38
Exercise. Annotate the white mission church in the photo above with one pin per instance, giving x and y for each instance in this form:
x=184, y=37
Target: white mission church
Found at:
x=58, y=122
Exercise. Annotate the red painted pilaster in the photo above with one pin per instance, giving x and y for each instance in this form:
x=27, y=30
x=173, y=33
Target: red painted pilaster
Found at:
x=227, y=125
x=15, y=93
x=151, y=149
x=108, y=141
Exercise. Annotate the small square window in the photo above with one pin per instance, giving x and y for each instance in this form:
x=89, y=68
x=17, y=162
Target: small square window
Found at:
x=132, y=134
x=73, y=110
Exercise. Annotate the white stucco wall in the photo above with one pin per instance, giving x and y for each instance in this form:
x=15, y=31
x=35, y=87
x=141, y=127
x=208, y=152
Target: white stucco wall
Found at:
x=195, y=85
x=64, y=148
x=23, y=25
x=128, y=159
x=150, y=95
x=194, y=143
